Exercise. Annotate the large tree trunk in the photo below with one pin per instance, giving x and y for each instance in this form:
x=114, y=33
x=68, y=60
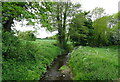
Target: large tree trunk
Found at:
x=59, y=26
x=64, y=25
x=61, y=19
x=8, y=24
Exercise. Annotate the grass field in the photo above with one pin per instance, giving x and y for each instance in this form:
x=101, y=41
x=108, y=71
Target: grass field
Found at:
x=35, y=57
x=87, y=63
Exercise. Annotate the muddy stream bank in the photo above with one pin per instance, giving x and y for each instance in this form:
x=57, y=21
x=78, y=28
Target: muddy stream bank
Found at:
x=53, y=72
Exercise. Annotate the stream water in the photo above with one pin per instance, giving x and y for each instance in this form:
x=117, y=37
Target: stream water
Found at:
x=53, y=72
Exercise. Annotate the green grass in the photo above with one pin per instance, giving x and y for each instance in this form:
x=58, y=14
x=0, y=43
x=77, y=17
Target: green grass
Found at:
x=64, y=67
x=89, y=63
x=36, y=57
x=46, y=40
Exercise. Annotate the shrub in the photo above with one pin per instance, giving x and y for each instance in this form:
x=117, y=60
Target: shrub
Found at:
x=115, y=39
x=27, y=35
x=69, y=47
x=10, y=43
x=54, y=37
x=13, y=48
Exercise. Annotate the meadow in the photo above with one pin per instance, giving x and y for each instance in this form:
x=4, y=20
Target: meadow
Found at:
x=31, y=59
x=94, y=63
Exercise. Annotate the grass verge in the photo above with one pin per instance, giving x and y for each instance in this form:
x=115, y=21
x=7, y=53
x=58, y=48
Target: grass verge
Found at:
x=89, y=63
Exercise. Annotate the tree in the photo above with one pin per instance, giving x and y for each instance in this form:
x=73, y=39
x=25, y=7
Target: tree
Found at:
x=81, y=29
x=13, y=10
x=27, y=35
x=52, y=15
x=20, y=11
x=98, y=13
x=102, y=31
x=107, y=30
x=60, y=17
x=114, y=23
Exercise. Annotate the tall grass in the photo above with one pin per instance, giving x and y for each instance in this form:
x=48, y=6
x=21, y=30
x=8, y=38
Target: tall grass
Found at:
x=89, y=63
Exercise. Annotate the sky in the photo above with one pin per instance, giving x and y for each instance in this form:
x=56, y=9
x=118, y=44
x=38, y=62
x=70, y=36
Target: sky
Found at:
x=110, y=6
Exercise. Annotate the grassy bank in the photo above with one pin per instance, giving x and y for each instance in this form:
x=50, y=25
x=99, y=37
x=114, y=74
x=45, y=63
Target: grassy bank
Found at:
x=34, y=57
x=89, y=63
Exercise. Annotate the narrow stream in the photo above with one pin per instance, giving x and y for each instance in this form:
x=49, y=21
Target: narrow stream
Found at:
x=53, y=72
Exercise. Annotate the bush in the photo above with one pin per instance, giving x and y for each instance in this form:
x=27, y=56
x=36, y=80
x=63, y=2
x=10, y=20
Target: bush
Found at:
x=89, y=63
x=27, y=35
x=13, y=48
x=54, y=37
x=10, y=43
x=115, y=39
x=69, y=47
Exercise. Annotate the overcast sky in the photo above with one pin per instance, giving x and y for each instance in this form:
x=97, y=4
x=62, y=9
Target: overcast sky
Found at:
x=110, y=6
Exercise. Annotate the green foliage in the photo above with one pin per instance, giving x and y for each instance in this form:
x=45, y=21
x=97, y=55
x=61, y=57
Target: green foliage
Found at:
x=10, y=44
x=114, y=38
x=58, y=19
x=101, y=31
x=25, y=11
x=106, y=30
x=115, y=31
x=26, y=60
x=117, y=15
x=16, y=11
x=69, y=47
x=27, y=35
x=81, y=29
x=64, y=67
x=9, y=7
x=89, y=63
